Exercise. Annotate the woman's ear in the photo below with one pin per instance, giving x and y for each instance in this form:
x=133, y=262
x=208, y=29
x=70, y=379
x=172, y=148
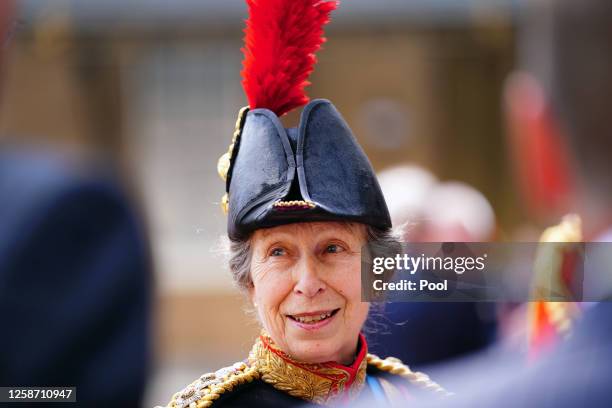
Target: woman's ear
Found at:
x=538, y=148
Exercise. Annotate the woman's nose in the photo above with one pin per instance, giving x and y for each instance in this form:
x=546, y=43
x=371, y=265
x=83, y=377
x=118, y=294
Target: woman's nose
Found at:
x=308, y=281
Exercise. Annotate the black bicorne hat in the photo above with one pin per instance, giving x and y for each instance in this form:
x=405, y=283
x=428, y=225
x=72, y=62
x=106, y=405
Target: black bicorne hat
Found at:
x=315, y=172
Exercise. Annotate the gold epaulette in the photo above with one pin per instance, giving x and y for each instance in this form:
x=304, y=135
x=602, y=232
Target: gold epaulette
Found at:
x=547, y=280
x=395, y=366
x=205, y=390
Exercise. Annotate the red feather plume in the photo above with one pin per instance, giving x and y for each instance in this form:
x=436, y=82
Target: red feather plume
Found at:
x=281, y=38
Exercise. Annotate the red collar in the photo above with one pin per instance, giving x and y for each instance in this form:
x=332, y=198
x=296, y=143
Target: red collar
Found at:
x=353, y=369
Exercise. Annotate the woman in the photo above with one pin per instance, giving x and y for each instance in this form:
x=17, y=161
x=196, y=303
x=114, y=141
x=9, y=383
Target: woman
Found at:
x=301, y=203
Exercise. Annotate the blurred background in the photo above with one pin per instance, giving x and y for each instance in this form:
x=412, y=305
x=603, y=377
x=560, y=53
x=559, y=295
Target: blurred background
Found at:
x=155, y=85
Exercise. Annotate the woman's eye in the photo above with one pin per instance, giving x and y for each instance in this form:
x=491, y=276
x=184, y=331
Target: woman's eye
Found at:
x=277, y=252
x=333, y=249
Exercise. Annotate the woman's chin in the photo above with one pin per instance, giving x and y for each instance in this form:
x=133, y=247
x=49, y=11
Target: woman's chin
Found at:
x=314, y=353
x=314, y=347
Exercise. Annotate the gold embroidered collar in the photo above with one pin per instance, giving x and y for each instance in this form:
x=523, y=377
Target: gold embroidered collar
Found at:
x=323, y=383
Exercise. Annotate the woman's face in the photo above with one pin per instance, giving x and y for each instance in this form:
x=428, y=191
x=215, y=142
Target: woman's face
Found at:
x=307, y=288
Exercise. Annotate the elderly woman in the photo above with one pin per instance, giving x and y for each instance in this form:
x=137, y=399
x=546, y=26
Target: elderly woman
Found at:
x=301, y=203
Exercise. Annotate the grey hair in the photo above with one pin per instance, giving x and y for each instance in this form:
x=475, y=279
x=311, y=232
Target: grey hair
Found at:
x=240, y=254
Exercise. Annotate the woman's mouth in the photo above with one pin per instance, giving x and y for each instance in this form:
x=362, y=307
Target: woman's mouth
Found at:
x=313, y=320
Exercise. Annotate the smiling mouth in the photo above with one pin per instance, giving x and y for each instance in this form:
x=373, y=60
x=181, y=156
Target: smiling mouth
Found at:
x=312, y=318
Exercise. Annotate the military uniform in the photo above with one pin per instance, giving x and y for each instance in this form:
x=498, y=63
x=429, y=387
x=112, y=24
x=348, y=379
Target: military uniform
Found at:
x=270, y=378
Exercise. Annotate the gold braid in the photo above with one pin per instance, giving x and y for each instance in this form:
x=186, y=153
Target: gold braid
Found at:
x=243, y=374
x=214, y=391
x=395, y=366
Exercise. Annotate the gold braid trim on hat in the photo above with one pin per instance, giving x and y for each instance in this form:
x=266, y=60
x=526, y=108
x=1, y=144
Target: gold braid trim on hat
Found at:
x=225, y=161
x=395, y=366
x=301, y=204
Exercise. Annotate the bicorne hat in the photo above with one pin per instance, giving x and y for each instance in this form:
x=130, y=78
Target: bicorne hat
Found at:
x=314, y=172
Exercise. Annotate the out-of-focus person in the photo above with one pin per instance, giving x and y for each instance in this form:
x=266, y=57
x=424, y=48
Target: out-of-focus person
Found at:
x=558, y=110
x=426, y=333
x=75, y=275
x=75, y=281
